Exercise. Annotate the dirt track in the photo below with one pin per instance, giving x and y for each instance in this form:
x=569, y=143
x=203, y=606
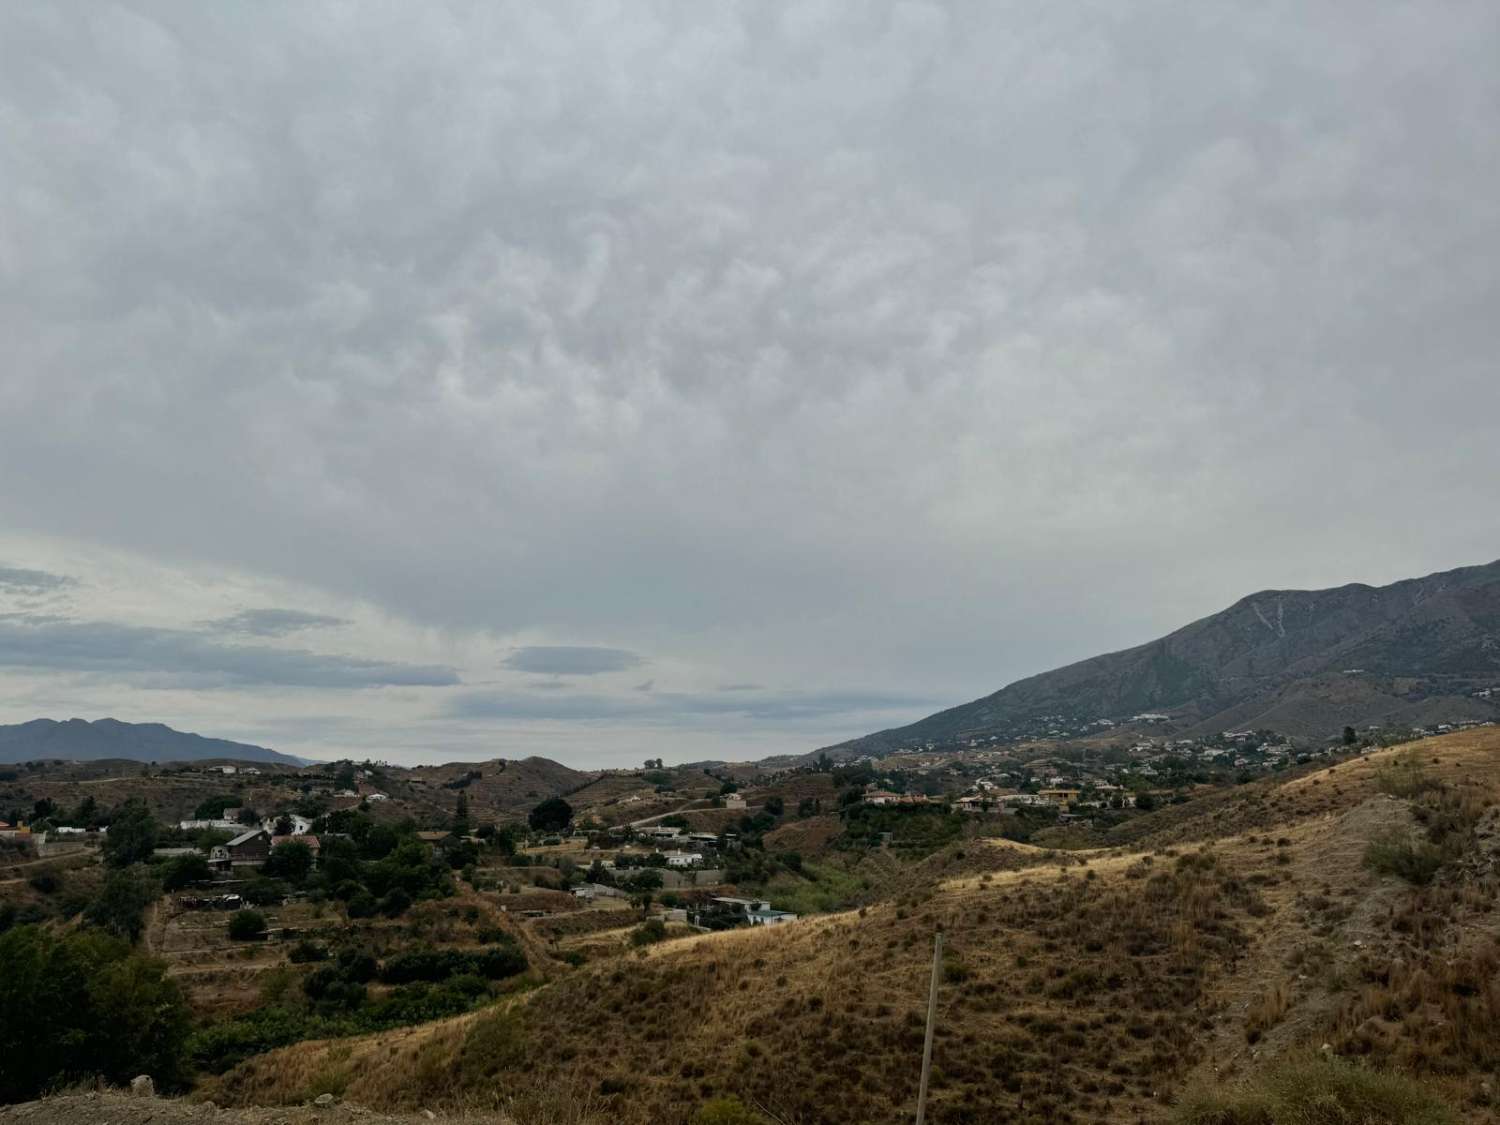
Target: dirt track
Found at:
x=118, y=1108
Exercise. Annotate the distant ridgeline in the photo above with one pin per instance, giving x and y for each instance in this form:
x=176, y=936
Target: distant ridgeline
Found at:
x=80, y=741
x=1418, y=653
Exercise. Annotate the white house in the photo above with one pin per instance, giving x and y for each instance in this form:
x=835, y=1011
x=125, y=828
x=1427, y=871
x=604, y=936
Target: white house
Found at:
x=684, y=859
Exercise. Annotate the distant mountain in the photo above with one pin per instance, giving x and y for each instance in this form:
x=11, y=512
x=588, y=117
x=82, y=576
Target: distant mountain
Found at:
x=82, y=741
x=1302, y=662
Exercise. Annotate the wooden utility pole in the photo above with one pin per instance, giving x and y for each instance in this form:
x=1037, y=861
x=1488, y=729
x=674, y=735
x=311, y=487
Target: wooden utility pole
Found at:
x=937, y=975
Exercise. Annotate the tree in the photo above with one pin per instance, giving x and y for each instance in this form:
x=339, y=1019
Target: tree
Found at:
x=211, y=808
x=132, y=835
x=91, y=1007
x=291, y=860
x=552, y=815
x=120, y=908
x=248, y=816
x=1349, y=736
x=345, y=778
x=775, y=806
x=461, y=815
x=86, y=812
x=283, y=825
x=184, y=869
x=247, y=925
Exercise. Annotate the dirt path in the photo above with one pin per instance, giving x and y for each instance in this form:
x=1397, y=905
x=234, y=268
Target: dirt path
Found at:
x=119, y=1108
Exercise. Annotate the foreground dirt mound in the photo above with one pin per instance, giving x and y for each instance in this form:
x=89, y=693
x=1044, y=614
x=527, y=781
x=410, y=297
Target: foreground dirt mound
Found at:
x=122, y=1109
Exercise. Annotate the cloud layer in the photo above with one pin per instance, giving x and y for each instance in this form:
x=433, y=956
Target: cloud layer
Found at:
x=172, y=657
x=912, y=346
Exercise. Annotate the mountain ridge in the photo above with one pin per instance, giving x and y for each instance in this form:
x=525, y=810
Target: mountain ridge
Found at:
x=85, y=741
x=1303, y=662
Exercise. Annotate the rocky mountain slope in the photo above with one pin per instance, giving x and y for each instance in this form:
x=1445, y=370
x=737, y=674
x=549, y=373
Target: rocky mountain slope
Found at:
x=1303, y=662
x=83, y=741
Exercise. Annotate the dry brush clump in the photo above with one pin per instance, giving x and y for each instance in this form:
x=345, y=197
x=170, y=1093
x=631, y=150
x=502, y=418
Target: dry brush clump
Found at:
x=1308, y=1090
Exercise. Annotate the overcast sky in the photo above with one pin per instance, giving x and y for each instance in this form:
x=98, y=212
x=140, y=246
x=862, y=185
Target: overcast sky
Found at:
x=602, y=380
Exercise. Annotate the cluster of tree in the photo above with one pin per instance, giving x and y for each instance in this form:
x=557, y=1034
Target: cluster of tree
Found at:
x=428, y=984
x=914, y=829
x=373, y=868
x=552, y=815
x=80, y=1003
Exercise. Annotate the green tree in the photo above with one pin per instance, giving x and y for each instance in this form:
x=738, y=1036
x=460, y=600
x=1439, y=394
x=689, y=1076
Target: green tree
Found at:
x=211, y=808
x=552, y=815
x=91, y=1007
x=291, y=860
x=132, y=835
x=1350, y=738
x=120, y=908
x=461, y=815
x=181, y=870
x=86, y=813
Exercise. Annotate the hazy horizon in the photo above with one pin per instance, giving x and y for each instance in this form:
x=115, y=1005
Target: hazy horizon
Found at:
x=604, y=382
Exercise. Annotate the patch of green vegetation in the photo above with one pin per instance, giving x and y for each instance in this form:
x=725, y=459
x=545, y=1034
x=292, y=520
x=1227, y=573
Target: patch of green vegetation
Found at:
x=1416, y=861
x=81, y=1004
x=431, y=984
x=914, y=830
x=820, y=889
x=1406, y=776
x=1317, y=1091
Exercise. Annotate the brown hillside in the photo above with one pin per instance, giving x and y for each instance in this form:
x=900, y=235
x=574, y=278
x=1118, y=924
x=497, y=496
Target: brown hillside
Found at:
x=1088, y=987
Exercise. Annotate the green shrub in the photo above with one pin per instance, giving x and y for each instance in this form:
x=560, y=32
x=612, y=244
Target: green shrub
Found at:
x=1416, y=861
x=1316, y=1091
x=493, y=1044
x=648, y=932
x=120, y=907
x=247, y=925
x=306, y=951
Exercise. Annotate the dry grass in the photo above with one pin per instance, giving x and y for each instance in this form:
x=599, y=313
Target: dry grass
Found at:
x=1087, y=987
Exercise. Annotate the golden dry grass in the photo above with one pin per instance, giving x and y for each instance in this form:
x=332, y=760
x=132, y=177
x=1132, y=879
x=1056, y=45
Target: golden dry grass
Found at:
x=1083, y=987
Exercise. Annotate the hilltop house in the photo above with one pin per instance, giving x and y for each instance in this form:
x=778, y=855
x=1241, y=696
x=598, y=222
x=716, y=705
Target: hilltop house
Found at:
x=249, y=847
x=684, y=859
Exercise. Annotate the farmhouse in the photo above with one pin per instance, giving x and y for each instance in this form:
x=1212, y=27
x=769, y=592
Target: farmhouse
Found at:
x=250, y=847
x=723, y=913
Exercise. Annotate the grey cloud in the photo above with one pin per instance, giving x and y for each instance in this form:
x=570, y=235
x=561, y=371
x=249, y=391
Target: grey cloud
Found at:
x=763, y=706
x=935, y=343
x=177, y=658
x=273, y=622
x=18, y=580
x=571, y=660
